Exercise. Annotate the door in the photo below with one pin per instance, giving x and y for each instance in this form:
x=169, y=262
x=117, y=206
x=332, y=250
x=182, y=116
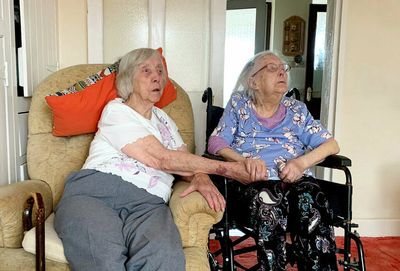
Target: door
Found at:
x=315, y=58
x=247, y=33
x=7, y=88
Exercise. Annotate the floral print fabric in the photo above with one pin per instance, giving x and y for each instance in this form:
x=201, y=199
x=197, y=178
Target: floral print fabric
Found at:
x=274, y=208
x=240, y=128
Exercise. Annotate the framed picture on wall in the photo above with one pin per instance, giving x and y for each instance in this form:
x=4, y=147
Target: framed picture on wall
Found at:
x=293, y=36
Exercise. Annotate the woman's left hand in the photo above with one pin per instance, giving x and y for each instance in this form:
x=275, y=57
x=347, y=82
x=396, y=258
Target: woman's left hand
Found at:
x=203, y=184
x=293, y=170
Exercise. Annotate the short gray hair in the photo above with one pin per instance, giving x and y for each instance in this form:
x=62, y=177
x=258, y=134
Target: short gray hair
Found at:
x=242, y=83
x=128, y=67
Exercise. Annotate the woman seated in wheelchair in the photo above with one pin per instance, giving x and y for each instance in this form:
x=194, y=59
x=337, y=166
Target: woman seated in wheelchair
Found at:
x=114, y=214
x=271, y=133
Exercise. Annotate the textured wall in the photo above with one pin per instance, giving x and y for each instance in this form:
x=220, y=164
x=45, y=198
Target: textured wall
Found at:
x=368, y=109
x=125, y=27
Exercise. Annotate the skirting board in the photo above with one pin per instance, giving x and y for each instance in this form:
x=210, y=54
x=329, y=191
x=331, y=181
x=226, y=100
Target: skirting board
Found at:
x=375, y=227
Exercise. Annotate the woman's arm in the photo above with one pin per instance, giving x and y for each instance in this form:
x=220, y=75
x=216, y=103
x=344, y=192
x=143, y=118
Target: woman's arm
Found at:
x=202, y=183
x=293, y=170
x=151, y=152
x=230, y=155
x=256, y=167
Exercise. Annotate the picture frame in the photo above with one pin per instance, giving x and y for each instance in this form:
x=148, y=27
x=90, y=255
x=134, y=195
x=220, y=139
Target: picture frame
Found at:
x=293, y=36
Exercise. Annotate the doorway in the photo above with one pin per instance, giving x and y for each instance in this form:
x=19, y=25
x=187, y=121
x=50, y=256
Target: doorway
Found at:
x=248, y=24
x=315, y=63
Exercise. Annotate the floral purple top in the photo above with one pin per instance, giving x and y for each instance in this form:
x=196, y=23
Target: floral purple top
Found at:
x=241, y=129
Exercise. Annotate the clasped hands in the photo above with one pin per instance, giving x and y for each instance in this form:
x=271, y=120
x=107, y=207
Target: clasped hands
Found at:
x=290, y=172
x=255, y=171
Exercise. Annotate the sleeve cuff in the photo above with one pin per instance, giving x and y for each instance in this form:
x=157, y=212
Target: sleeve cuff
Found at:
x=215, y=144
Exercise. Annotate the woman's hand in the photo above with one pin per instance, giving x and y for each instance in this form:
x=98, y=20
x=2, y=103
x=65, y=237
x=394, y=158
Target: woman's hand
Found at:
x=293, y=170
x=256, y=168
x=202, y=183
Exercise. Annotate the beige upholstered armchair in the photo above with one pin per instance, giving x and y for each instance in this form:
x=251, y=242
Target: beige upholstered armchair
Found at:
x=51, y=159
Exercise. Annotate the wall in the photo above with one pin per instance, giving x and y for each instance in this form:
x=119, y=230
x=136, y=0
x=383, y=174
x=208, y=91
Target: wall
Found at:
x=125, y=27
x=72, y=27
x=368, y=110
x=187, y=44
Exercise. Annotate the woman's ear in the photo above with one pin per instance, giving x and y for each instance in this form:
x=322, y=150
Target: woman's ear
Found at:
x=252, y=83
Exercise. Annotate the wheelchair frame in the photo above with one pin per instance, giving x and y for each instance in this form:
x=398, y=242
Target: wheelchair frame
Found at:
x=341, y=207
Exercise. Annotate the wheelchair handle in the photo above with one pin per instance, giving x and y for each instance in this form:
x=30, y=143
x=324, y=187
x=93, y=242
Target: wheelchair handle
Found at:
x=207, y=95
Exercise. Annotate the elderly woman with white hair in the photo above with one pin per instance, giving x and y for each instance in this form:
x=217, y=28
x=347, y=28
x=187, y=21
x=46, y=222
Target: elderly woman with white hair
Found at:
x=273, y=133
x=113, y=214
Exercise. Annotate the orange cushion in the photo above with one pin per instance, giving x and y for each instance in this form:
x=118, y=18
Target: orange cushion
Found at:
x=169, y=94
x=79, y=112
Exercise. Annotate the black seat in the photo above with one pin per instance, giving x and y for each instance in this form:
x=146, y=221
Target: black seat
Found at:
x=339, y=197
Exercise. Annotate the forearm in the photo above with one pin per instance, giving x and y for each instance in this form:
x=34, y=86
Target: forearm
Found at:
x=150, y=152
x=179, y=162
x=317, y=155
x=230, y=155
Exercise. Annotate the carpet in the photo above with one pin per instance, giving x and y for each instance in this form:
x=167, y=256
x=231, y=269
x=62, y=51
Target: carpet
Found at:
x=381, y=253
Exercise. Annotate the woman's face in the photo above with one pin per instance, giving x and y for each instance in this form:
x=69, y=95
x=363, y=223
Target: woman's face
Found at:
x=147, y=81
x=270, y=76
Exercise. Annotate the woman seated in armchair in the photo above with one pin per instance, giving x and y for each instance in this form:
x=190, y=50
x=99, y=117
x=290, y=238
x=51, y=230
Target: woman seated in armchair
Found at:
x=272, y=132
x=113, y=214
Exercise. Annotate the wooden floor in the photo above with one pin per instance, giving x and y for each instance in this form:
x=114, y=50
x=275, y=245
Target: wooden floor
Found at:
x=381, y=253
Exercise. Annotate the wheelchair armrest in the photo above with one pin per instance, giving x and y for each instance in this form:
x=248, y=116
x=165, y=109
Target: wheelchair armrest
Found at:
x=213, y=157
x=332, y=161
x=335, y=161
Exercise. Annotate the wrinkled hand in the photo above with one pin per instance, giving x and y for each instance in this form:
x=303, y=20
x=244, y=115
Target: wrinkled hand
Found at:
x=292, y=171
x=256, y=168
x=203, y=184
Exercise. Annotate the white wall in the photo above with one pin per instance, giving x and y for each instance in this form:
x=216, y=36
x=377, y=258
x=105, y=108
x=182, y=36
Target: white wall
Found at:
x=189, y=47
x=368, y=110
x=72, y=27
x=125, y=27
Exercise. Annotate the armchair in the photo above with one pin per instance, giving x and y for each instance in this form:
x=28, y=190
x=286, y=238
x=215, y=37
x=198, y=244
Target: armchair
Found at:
x=50, y=159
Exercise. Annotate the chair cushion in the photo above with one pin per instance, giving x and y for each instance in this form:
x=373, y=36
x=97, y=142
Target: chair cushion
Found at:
x=54, y=249
x=77, y=109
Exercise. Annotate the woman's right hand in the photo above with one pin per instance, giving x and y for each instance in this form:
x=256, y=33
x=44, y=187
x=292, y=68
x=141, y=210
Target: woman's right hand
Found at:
x=256, y=168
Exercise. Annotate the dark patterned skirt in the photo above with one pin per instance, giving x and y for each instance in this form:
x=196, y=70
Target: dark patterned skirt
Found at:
x=276, y=210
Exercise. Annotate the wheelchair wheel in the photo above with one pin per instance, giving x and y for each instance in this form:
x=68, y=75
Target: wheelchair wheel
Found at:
x=221, y=258
x=214, y=266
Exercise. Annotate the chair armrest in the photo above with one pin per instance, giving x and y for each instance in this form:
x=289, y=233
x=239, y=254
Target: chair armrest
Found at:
x=335, y=161
x=192, y=215
x=13, y=200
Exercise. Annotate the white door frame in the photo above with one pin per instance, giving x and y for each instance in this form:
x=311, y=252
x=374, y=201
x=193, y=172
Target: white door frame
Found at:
x=8, y=95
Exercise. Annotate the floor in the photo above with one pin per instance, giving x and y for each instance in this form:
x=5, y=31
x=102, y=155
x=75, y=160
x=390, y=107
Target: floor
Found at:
x=381, y=253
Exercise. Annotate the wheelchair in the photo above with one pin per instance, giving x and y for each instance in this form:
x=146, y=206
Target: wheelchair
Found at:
x=339, y=197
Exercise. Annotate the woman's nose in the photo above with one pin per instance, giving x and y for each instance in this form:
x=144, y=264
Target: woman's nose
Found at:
x=156, y=78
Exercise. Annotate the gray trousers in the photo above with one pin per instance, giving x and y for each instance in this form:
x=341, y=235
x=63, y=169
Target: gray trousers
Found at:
x=106, y=223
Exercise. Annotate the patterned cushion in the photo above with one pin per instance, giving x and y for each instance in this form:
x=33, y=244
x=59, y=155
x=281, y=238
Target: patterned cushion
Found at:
x=77, y=109
x=92, y=79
